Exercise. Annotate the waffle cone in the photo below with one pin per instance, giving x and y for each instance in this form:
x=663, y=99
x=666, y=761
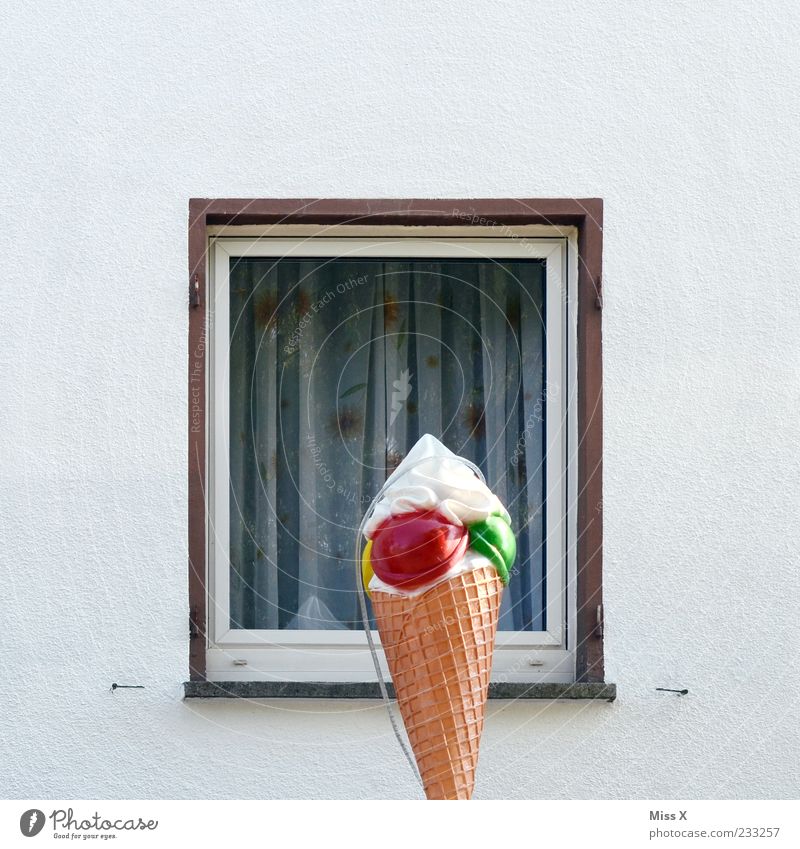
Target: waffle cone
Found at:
x=439, y=649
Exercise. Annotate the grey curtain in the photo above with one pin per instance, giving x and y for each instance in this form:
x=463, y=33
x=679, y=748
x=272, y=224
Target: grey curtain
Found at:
x=336, y=368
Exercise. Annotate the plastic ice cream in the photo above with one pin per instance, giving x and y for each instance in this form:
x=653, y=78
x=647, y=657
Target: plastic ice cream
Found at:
x=439, y=550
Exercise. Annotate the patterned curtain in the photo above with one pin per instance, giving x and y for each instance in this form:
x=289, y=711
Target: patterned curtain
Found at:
x=337, y=367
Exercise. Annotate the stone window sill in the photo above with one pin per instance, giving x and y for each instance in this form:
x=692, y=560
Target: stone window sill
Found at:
x=370, y=690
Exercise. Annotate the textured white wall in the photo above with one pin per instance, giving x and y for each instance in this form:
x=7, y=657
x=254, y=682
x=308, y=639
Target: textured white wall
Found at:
x=684, y=118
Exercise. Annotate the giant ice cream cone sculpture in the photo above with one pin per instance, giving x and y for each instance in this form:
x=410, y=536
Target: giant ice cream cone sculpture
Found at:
x=440, y=545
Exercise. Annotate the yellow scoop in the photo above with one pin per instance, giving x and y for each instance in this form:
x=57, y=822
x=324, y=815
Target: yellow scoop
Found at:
x=366, y=565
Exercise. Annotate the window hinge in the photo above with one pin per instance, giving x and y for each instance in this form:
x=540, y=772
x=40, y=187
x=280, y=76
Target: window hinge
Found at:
x=598, y=288
x=194, y=631
x=194, y=291
x=599, y=627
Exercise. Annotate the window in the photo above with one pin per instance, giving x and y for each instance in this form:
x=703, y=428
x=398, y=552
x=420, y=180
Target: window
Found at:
x=326, y=350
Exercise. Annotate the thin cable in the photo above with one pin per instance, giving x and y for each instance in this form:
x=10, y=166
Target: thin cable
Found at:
x=362, y=599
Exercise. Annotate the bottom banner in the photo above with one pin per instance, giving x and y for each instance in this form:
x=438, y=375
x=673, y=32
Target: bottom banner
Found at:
x=411, y=825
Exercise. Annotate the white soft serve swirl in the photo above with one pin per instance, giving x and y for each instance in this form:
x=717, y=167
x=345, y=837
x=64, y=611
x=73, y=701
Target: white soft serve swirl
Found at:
x=431, y=477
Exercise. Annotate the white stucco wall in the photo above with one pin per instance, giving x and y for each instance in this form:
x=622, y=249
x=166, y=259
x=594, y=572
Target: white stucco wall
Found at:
x=683, y=118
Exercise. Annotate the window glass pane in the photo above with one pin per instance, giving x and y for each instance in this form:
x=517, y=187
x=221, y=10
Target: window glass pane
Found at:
x=337, y=367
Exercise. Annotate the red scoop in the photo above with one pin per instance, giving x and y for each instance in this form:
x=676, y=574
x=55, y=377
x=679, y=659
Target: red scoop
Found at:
x=415, y=548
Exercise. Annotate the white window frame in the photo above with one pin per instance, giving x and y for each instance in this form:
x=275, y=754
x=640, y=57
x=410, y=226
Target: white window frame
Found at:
x=336, y=656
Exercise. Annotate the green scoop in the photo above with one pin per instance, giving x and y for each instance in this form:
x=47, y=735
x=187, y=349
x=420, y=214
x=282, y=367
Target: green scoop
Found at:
x=494, y=539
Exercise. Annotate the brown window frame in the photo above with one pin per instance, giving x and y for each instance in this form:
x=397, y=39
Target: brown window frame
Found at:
x=586, y=214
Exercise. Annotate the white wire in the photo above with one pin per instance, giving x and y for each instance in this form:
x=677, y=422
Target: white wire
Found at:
x=362, y=598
